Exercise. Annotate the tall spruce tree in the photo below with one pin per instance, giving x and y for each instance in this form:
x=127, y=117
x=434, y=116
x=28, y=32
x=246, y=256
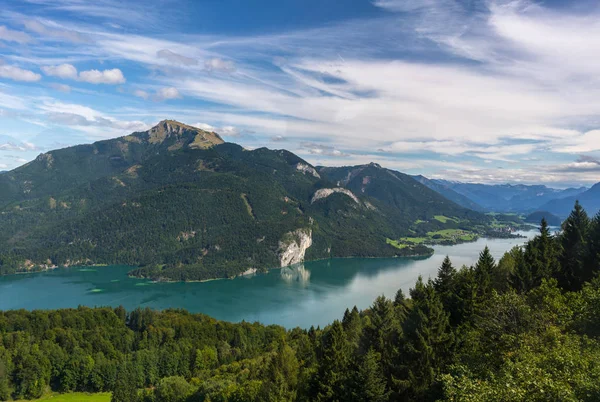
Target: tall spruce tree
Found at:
x=382, y=333
x=428, y=342
x=332, y=381
x=521, y=278
x=485, y=273
x=592, y=260
x=369, y=384
x=540, y=256
x=444, y=283
x=573, y=254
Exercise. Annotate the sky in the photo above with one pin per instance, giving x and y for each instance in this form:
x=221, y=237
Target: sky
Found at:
x=491, y=91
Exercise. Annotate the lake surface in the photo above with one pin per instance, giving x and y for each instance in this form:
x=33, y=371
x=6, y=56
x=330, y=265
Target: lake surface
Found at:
x=315, y=293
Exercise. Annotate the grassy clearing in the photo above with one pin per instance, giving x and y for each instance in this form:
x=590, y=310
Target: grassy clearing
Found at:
x=396, y=244
x=419, y=221
x=453, y=234
x=439, y=236
x=75, y=397
x=444, y=219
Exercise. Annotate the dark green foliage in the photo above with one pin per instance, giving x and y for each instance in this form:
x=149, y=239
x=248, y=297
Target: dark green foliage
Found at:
x=428, y=342
x=369, y=383
x=573, y=243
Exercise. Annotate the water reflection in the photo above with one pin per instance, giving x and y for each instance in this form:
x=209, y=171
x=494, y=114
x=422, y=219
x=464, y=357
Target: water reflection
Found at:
x=296, y=273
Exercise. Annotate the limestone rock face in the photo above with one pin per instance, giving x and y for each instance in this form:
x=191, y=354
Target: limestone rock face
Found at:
x=307, y=169
x=293, y=246
x=326, y=192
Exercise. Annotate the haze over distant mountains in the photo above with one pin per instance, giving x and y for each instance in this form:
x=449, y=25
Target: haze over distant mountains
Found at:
x=513, y=197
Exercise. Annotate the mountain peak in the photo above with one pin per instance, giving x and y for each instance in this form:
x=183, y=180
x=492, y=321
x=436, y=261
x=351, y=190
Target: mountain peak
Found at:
x=192, y=136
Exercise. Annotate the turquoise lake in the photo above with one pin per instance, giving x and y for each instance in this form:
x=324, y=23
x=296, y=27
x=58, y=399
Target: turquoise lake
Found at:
x=315, y=293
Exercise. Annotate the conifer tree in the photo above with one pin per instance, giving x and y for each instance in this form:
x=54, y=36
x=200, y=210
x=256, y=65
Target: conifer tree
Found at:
x=333, y=374
x=574, y=250
x=592, y=261
x=369, y=384
x=521, y=278
x=444, y=283
x=485, y=273
x=427, y=341
x=400, y=303
x=352, y=324
x=382, y=333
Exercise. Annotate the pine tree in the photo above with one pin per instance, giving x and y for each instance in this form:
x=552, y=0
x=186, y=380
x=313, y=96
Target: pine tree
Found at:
x=521, y=278
x=382, y=333
x=352, y=324
x=540, y=256
x=444, y=283
x=485, y=272
x=428, y=341
x=574, y=250
x=333, y=373
x=592, y=261
x=400, y=303
x=369, y=384
x=446, y=272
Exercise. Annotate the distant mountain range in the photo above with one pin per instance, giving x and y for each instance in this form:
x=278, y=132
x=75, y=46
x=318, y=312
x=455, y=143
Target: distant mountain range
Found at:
x=184, y=205
x=504, y=197
x=589, y=199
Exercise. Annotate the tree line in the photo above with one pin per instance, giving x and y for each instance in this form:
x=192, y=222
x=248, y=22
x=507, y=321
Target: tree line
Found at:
x=524, y=328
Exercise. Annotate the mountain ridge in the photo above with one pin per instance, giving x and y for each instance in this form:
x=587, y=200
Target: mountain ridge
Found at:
x=184, y=208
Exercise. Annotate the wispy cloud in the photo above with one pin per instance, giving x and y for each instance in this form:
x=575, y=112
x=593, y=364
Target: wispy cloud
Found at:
x=8, y=35
x=18, y=74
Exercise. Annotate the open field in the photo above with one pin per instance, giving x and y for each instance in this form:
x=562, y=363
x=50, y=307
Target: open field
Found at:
x=75, y=397
x=439, y=236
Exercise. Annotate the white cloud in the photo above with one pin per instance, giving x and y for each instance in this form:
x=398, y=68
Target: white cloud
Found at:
x=112, y=77
x=18, y=74
x=8, y=35
x=167, y=93
x=141, y=94
x=66, y=71
x=218, y=64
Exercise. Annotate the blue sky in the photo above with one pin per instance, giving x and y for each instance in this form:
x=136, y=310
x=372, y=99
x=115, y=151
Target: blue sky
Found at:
x=486, y=91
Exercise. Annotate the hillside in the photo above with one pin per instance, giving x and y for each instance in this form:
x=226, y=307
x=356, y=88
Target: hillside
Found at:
x=436, y=220
x=183, y=205
x=589, y=199
x=536, y=218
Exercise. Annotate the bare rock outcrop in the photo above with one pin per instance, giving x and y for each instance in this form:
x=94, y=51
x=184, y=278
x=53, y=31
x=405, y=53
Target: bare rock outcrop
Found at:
x=293, y=246
x=326, y=192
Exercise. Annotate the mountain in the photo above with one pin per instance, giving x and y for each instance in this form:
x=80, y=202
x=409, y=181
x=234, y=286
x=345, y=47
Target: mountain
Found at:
x=182, y=204
x=589, y=199
x=449, y=193
x=508, y=197
x=536, y=218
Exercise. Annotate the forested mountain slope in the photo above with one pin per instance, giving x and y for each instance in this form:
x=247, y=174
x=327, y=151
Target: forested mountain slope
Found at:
x=184, y=205
x=524, y=328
